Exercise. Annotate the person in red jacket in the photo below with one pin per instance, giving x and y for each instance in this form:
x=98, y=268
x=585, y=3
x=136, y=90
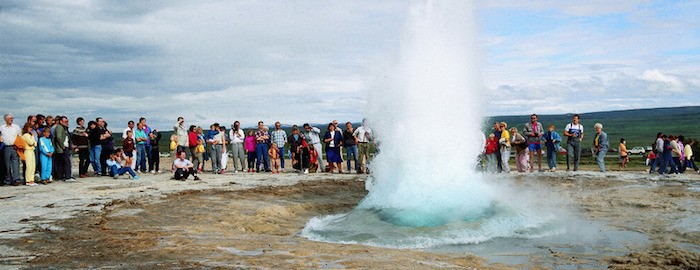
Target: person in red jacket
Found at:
x=491, y=149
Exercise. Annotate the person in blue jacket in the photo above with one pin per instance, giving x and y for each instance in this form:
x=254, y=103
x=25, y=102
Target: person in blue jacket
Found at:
x=551, y=141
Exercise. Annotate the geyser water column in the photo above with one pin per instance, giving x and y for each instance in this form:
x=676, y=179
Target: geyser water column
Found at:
x=429, y=122
x=425, y=192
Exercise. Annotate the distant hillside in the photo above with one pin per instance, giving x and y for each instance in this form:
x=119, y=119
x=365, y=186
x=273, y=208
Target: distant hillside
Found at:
x=638, y=127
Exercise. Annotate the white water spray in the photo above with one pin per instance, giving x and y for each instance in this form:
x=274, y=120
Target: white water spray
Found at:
x=425, y=192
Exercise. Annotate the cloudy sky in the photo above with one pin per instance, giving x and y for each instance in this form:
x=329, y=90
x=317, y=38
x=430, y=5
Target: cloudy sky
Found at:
x=312, y=61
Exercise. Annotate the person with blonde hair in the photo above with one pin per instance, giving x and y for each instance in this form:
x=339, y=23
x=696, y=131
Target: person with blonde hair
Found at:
x=29, y=157
x=504, y=142
x=521, y=150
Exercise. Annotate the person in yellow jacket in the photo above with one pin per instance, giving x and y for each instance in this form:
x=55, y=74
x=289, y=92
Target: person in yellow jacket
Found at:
x=29, y=158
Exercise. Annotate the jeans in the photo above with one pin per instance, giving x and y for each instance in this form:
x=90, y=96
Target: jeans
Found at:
x=655, y=162
x=600, y=158
x=149, y=155
x=114, y=171
x=83, y=160
x=679, y=165
x=11, y=165
x=573, y=153
x=154, y=159
x=352, y=151
x=551, y=157
x=499, y=164
x=666, y=161
x=238, y=156
x=263, y=156
x=141, y=157
x=216, y=158
x=282, y=156
x=95, y=153
x=505, y=156
x=251, y=160
x=491, y=162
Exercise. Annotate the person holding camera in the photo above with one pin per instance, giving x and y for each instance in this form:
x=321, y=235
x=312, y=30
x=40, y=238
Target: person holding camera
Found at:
x=533, y=132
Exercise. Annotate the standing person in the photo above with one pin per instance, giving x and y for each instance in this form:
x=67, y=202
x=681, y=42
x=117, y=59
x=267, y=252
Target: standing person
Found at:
x=250, y=146
x=214, y=141
x=600, y=146
x=237, y=148
x=675, y=154
x=184, y=168
x=80, y=140
x=533, y=132
x=657, y=148
x=196, y=155
x=63, y=153
x=312, y=136
x=279, y=136
x=173, y=148
x=182, y=137
x=350, y=143
x=689, y=156
x=504, y=142
x=490, y=150
x=274, y=154
x=10, y=132
x=497, y=133
x=333, y=139
x=130, y=152
x=295, y=140
x=95, y=136
x=30, y=160
x=154, y=161
x=624, y=158
x=551, y=141
x=129, y=148
x=107, y=144
x=682, y=160
x=47, y=150
x=262, y=138
x=363, y=135
x=224, y=147
x=302, y=158
x=574, y=133
x=147, y=130
x=141, y=142
x=521, y=149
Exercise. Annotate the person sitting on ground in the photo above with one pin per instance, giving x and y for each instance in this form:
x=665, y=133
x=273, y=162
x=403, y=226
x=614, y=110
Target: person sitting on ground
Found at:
x=184, y=168
x=624, y=158
x=115, y=167
x=303, y=158
x=274, y=154
x=313, y=158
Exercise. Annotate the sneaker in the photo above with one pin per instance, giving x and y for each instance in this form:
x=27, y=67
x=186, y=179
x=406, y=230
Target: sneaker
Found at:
x=70, y=180
x=116, y=176
x=306, y=171
x=159, y=171
x=136, y=177
x=235, y=171
x=32, y=184
x=152, y=171
x=196, y=178
x=553, y=170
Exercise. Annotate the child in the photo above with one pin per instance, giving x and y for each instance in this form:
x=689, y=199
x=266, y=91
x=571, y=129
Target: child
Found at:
x=249, y=145
x=224, y=152
x=313, y=157
x=623, y=153
x=46, y=154
x=551, y=141
x=199, y=151
x=173, y=148
x=274, y=154
x=491, y=148
x=115, y=167
x=128, y=145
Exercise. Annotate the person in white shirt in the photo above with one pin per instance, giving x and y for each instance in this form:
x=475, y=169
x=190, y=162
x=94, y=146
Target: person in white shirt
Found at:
x=364, y=135
x=115, y=166
x=574, y=132
x=9, y=132
x=312, y=138
x=184, y=168
x=279, y=136
x=237, y=137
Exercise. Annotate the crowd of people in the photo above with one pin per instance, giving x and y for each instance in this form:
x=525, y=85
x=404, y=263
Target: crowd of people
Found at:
x=669, y=153
x=40, y=152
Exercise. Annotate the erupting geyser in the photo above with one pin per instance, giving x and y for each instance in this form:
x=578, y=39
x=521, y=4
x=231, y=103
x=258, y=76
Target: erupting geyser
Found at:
x=424, y=189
